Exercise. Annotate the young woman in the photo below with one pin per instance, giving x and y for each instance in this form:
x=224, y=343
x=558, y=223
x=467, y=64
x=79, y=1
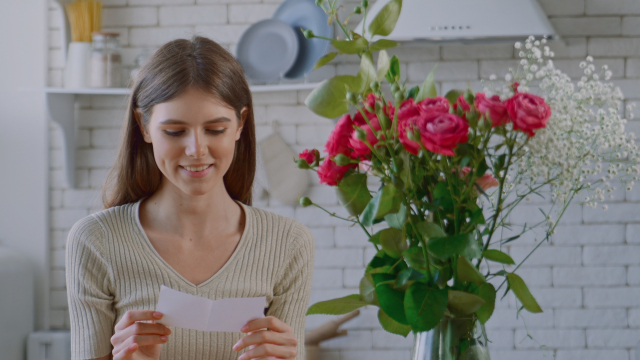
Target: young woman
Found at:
x=178, y=212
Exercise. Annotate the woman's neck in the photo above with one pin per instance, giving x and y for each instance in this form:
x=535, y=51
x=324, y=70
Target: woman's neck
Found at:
x=170, y=211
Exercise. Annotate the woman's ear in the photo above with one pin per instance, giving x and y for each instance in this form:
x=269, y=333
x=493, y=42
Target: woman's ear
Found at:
x=243, y=118
x=145, y=135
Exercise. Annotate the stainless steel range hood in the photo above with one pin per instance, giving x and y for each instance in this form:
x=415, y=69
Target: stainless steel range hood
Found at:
x=466, y=21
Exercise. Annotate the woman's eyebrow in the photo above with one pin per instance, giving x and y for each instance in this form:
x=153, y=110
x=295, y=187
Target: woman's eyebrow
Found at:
x=180, y=122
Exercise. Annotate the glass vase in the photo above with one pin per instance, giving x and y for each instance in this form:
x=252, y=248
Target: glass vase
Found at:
x=452, y=339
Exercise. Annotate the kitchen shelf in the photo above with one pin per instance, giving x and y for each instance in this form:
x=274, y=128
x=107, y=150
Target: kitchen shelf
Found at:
x=60, y=108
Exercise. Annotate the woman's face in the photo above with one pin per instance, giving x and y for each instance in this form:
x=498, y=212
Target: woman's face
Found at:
x=193, y=138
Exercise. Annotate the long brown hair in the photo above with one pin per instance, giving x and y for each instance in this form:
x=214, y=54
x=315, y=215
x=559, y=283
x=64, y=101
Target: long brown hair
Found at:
x=180, y=64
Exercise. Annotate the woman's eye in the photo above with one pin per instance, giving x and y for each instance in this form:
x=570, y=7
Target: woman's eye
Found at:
x=178, y=133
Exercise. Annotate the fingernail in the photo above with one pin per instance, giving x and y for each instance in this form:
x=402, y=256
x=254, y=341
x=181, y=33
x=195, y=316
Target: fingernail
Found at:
x=157, y=315
x=235, y=347
x=244, y=328
x=163, y=338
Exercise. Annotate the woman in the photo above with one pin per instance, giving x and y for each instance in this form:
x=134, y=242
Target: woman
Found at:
x=178, y=212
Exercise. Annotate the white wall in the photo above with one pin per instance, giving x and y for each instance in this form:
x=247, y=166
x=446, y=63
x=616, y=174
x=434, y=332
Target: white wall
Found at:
x=587, y=280
x=24, y=138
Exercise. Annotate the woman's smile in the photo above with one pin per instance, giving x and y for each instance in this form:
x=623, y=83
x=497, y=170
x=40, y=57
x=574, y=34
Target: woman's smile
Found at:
x=196, y=171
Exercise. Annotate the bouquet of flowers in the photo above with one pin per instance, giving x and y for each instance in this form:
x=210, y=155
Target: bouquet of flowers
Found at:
x=451, y=169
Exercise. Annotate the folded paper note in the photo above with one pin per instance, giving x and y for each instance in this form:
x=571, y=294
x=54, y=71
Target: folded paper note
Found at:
x=194, y=312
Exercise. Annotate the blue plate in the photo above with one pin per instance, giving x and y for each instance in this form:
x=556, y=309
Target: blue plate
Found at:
x=267, y=50
x=307, y=15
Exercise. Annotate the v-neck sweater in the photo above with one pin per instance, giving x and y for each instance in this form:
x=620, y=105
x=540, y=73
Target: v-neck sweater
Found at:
x=112, y=267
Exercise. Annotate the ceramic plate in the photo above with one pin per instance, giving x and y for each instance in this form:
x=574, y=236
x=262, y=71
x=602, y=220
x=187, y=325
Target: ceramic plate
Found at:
x=305, y=14
x=267, y=50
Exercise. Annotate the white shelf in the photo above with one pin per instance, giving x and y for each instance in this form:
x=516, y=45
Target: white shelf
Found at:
x=127, y=91
x=60, y=108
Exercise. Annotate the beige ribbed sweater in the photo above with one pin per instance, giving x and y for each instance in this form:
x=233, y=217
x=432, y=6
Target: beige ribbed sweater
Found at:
x=112, y=268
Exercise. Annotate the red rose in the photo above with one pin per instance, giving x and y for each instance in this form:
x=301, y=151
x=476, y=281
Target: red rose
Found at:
x=436, y=104
x=338, y=142
x=359, y=147
x=528, y=112
x=358, y=119
x=493, y=107
x=308, y=155
x=461, y=103
x=439, y=132
x=330, y=173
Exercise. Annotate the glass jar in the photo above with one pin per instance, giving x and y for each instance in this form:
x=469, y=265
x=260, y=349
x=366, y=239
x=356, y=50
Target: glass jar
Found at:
x=452, y=339
x=105, y=61
x=140, y=60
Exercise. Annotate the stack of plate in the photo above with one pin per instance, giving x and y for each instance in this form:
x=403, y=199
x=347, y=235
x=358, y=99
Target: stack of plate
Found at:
x=275, y=48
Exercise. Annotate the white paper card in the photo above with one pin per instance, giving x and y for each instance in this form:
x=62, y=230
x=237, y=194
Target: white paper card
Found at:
x=194, y=312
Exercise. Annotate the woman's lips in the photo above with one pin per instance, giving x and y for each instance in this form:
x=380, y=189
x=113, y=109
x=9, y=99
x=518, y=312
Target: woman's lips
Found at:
x=197, y=174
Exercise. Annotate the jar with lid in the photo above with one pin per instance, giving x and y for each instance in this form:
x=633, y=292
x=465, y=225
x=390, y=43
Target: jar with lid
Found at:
x=106, y=61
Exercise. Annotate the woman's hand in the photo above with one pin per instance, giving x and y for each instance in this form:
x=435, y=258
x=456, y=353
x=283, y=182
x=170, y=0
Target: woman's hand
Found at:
x=137, y=340
x=277, y=342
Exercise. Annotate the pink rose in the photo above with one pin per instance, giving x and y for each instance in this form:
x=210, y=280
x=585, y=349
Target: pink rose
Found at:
x=360, y=148
x=439, y=132
x=308, y=155
x=486, y=181
x=461, y=103
x=330, y=173
x=493, y=107
x=528, y=112
x=338, y=142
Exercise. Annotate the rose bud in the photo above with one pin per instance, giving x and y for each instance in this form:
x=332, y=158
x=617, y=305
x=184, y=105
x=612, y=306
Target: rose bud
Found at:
x=305, y=201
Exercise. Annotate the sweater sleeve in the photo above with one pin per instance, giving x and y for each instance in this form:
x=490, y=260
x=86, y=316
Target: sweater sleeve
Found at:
x=293, y=290
x=89, y=294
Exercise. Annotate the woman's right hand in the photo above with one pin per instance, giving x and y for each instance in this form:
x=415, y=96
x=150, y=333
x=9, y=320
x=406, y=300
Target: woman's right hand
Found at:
x=137, y=340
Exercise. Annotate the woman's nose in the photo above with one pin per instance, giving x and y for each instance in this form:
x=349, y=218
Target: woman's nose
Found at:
x=196, y=146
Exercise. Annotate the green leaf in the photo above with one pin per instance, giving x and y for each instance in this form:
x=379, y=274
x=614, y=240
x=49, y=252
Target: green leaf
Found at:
x=390, y=299
x=350, y=46
x=461, y=303
x=382, y=44
x=392, y=242
x=338, y=306
x=498, y=256
x=386, y=19
x=425, y=306
x=383, y=64
x=394, y=69
x=324, y=60
x=468, y=273
x=415, y=257
x=488, y=293
x=386, y=201
x=411, y=93
x=329, y=99
x=397, y=220
x=461, y=244
x=453, y=95
x=428, y=88
x=368, y=290
x=430, y=230
x=353, y=193
x=391, y=325
x=521, y=290
x=367, y=72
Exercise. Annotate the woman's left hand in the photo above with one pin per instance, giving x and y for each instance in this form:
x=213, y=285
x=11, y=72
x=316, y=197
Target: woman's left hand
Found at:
x=276, y=342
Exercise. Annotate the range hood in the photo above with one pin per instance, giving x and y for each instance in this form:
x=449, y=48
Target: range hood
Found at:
x=466, y=21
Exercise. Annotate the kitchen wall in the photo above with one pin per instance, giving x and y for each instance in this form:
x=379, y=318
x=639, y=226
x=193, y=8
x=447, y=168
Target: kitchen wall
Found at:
x=587, y=279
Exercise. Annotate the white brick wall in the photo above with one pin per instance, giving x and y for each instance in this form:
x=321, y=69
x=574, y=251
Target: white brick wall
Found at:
x=587, y=279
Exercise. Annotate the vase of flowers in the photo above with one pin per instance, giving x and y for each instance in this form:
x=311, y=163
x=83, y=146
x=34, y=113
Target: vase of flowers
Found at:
x=448, y=171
